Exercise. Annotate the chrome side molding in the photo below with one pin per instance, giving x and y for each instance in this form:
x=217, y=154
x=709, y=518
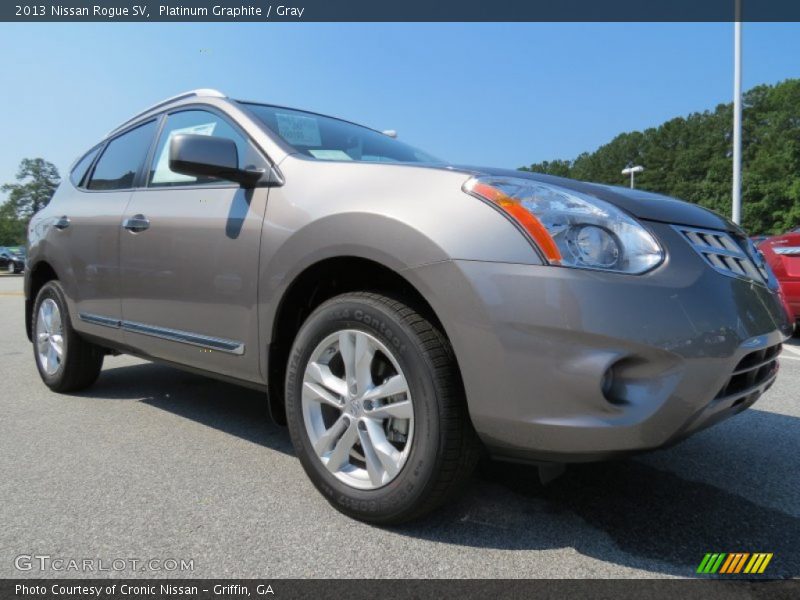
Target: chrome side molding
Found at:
x=174, y=335
x=100, y=320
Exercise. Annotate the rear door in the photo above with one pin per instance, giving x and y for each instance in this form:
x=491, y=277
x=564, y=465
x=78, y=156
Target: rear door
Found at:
x=87, y=233
x=189, y=253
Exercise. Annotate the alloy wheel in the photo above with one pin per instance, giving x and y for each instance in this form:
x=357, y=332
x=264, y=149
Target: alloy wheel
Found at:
x=357, y=409
x=49, y=336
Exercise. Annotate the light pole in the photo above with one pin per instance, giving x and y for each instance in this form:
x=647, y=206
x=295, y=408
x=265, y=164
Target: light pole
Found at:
x=736, y=196
x=632, y=170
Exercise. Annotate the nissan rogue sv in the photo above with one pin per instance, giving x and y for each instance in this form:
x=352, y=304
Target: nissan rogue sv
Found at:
x=402, y=314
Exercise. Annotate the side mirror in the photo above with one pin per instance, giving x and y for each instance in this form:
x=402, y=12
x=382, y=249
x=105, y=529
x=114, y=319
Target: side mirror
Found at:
x=209, y=156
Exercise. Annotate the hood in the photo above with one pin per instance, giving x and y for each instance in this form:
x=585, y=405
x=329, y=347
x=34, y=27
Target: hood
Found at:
x=641, y=204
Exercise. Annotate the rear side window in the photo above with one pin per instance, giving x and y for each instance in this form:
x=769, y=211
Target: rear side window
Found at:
x=122, y=158
x=78, y=175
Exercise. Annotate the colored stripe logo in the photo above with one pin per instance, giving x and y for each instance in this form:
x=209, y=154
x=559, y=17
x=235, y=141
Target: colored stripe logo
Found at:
x=734, y=563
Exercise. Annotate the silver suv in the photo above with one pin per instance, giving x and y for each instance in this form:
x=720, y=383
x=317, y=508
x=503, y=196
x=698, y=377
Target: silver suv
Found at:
x=402, y=314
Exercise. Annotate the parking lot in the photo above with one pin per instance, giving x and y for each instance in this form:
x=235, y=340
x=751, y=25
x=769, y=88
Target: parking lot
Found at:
x=156, y=463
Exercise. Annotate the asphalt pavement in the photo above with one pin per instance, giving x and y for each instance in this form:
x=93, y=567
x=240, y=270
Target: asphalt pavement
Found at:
x=156, y=463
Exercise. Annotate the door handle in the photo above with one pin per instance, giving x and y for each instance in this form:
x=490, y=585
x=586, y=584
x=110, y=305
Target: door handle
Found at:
x=62, y=223
x=136, y=223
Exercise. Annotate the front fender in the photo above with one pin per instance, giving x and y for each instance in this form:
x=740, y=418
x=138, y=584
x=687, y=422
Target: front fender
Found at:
x=377, y=238
x=400, y=216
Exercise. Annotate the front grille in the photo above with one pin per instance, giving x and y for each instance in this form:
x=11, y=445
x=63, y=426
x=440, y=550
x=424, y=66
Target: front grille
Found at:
x=753, y=371
x=729, y=255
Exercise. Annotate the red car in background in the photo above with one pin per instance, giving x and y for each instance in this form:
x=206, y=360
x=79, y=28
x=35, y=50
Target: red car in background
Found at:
x=782, y=252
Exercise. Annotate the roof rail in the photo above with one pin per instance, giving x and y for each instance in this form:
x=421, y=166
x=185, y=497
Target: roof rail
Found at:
x=199, y=93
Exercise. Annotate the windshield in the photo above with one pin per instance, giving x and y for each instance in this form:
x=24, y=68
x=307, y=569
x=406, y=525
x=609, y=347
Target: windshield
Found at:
x=326, y=138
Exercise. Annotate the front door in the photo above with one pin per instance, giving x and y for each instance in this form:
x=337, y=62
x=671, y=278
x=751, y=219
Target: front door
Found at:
x=189, y=254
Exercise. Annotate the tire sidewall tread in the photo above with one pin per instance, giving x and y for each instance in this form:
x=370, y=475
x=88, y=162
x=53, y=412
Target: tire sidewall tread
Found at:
x=81, y=362
x=443, y=444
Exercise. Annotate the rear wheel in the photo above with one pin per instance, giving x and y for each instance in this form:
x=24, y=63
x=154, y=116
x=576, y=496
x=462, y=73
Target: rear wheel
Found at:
x=66, y=362
x=376, y=409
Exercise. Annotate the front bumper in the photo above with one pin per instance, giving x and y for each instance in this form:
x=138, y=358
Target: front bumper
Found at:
x=570, y=365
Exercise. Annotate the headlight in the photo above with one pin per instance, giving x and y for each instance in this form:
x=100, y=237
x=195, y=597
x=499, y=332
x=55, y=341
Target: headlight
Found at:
x=570, y=228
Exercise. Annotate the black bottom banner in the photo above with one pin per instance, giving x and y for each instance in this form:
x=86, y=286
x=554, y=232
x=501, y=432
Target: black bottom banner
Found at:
x=400, y=589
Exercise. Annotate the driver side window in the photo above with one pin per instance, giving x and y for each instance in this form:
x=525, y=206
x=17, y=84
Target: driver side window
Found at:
x=196, y=122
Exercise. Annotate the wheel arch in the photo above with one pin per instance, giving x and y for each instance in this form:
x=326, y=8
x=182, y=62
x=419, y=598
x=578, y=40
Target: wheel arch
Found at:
x=317, y=283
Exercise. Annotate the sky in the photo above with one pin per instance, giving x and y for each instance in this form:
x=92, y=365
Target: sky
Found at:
x=485, y=94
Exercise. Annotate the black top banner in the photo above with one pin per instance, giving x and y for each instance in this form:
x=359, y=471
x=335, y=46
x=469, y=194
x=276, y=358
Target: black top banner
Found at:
x=401, y=10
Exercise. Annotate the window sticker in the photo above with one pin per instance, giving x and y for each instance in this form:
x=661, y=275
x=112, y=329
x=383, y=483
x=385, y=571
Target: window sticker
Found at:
x=162, y=173
x=330, y=154
x=298, y=130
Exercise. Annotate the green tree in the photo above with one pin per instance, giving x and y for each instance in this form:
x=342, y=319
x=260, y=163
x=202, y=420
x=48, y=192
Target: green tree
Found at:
x=37, y=182
x=12, y=229
x=560, y=168
x=690, y=158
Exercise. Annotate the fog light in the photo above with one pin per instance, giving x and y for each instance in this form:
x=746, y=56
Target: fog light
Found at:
x=608, y=383
x=613, y=392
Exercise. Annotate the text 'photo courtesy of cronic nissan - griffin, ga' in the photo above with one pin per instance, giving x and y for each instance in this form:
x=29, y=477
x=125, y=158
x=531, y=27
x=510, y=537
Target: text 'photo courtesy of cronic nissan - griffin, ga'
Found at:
x=404, y=316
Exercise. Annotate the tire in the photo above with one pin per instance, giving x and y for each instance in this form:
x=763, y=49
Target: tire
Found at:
x=425, y=421
x=79, y=364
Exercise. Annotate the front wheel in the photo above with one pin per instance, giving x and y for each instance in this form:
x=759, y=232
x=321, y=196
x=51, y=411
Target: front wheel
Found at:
x=66, y=362
x=376, y=409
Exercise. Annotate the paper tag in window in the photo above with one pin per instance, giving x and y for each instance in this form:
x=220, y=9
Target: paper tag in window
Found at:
x=298, y=130
x=329, y=154
x=162, y=173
